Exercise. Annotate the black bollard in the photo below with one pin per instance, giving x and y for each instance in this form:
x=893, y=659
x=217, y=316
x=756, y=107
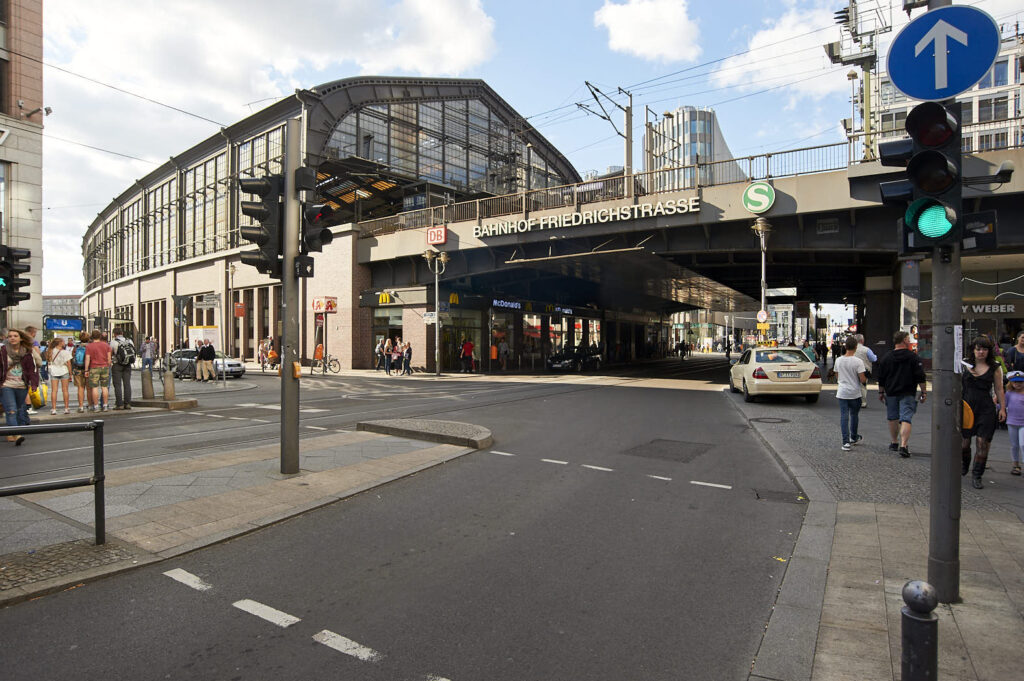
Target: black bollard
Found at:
x=920, y=654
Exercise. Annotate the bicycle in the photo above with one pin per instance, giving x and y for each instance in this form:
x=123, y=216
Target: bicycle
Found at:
x=328, y=362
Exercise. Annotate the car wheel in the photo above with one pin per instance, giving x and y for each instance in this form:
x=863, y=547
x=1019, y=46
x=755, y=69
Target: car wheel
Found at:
x=811, y=398
x=747, y=397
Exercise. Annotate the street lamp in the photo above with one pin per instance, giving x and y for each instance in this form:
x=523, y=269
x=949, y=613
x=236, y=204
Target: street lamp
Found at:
x=436, y=263
x=762, y=228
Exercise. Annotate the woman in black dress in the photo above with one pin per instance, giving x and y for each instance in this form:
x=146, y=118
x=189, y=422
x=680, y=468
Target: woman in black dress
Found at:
x=979, y=382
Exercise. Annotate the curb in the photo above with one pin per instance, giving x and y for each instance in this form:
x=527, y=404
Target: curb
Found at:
x=791, y=632
x=441, y=432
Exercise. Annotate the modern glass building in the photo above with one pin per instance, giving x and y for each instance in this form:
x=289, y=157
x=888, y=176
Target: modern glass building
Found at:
x=683, y=139
x=380, y=145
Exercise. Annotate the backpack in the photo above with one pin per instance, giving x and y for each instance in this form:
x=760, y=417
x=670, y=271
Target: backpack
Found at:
x=79, y=357
x=125, y=355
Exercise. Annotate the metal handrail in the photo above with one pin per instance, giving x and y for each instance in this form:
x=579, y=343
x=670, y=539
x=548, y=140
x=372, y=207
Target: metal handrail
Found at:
x=96, y=479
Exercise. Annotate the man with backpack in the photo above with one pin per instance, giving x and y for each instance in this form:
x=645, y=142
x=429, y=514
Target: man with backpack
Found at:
x=78, y=372
x=122, y=351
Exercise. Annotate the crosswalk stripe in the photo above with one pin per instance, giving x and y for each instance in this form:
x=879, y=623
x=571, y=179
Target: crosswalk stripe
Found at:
x=272, y=615
x=188, y=579
x=346, y=645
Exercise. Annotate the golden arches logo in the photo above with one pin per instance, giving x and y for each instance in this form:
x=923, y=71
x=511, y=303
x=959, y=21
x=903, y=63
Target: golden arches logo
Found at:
x=384, y=298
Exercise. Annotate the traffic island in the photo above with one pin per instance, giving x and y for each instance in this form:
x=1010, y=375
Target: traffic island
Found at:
x=171, y=405
x=443, y=432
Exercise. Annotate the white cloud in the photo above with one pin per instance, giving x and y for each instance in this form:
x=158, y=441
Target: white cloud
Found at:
x=787, y=51
x=211, y=59
x=656, y=30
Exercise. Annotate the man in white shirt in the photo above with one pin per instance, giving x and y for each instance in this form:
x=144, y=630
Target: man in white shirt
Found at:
x=850, y=373
x=869, y=358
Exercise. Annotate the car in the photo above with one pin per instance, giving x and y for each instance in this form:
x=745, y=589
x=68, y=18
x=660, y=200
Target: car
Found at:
x=573, y=359
x=775, y=371
x=183, y=364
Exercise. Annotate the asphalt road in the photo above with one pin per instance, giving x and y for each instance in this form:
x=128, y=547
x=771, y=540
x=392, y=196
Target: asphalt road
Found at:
x=624, y=527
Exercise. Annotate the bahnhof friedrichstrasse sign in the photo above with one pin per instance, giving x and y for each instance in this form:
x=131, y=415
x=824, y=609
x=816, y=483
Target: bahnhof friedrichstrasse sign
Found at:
x=589, y=217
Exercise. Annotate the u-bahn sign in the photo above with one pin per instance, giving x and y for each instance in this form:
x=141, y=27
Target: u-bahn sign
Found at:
x=589, y=217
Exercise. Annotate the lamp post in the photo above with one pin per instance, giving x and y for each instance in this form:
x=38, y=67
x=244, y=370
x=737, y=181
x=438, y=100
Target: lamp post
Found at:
x=436, y=263
x=762, y=228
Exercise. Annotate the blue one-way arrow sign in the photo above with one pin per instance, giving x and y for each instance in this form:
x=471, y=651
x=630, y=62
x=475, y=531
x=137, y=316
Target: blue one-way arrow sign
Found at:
x=943, y=52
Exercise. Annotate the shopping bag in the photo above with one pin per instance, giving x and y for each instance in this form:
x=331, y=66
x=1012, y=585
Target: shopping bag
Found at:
x=38, y=395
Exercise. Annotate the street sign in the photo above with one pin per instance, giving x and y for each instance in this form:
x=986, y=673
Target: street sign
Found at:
x=764, y=327
x=62, y=323
x=429, y=317
x=762, y=316
x=943, y=52
x=328, y=304
x=239, y=309
x=205, y=304
x=760, y=196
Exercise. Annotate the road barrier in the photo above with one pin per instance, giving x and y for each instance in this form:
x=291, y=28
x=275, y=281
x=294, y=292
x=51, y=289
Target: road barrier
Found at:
x=96, y=479
x=920, y=631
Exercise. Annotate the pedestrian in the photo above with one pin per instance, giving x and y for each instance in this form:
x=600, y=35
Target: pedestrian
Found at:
x=18, y=373
x=31, y=331
x=899, y=374
x=148, y=352
x=408, y=358
x=982, y=378
x=379, y=353
x=837, y=350
x=59, y=359
x=466, y=355
x=504, y=351
x=97, y=369
x=865, y=355
x=1015, y=356
x=123, y=357
x=78, y=372
x=387, y=356
x=850, y=374
x=396, y=356
x=204, y=358
x=809, y=351
x=1015, y=417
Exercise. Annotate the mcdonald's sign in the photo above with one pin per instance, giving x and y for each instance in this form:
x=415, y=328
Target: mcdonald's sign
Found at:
x=453, y=298
x=384, y=298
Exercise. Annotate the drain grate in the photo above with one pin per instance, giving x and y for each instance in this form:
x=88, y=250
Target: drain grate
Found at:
x=670, y=450
x=769, y=419
x=783, y=497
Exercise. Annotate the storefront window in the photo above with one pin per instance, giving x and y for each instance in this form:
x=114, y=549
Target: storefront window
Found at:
x=387, y=323
x=531, y=341
x=464, y=325
x=502, y=332
x=559, y=332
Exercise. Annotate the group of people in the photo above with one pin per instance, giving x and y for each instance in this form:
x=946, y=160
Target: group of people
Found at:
x=394, y=357
x=993, y=393
x=205, y=354
x=90, y=364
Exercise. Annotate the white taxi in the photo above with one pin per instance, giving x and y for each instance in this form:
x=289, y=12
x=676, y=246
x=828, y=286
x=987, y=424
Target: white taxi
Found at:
x=775, y=371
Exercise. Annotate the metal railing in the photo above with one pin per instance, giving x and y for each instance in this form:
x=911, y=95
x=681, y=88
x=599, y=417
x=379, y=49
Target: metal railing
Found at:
x=96, y=479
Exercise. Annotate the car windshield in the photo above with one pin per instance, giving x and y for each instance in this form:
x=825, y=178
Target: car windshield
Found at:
x=186, y=354
x=780, y=356
x=220, y=355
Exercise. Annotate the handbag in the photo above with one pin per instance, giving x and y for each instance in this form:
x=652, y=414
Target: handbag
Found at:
x=38, y=395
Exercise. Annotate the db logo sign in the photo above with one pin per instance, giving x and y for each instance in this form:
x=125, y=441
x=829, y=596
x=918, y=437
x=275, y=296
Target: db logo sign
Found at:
x=437, y=235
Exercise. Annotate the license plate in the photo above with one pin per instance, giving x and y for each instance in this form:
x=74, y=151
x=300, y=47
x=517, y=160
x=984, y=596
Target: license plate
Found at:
x=788, y=374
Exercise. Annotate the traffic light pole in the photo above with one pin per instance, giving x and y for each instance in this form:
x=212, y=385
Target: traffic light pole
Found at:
x=290, y=304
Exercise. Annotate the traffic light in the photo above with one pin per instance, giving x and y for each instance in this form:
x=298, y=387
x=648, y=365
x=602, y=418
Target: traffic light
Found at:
x=315, y=233
x=11, y=267
x=933, y=187
x=267, y=212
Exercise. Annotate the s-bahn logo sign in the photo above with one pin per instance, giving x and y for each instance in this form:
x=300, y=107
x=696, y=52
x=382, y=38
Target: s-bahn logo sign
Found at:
x=589, y=217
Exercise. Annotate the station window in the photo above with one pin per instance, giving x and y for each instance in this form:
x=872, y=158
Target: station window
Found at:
x=997, y=76
x=993, y=109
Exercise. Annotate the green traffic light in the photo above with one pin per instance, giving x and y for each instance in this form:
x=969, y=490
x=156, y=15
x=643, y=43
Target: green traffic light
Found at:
x=933, y=222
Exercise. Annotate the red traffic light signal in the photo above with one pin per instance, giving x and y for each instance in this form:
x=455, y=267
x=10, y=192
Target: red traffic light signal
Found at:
x=315, y=232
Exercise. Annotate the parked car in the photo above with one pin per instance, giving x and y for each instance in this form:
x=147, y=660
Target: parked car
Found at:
x=575, y=359
x=775, y=371
x=183, y=364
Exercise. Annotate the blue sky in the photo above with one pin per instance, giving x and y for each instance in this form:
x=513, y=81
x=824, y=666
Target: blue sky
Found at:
x=183, y=69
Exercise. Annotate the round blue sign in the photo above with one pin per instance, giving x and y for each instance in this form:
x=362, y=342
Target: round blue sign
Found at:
x=943, y=52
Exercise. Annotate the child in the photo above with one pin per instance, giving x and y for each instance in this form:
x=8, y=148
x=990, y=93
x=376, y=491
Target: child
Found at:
x=1015, y=416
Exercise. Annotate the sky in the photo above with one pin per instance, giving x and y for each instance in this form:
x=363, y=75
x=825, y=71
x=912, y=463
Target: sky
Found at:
x=132, y=83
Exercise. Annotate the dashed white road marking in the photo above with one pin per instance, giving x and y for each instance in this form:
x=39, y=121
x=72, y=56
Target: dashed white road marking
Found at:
x=597, y=468
x=346, y=645
x=238, y=418
x=216, y=416
x=710, y=484
x=660, y=477
x=560, y=463
x=316, y=427
x=501, y=453
x=188, y=579
x=261, y=421
x=281, y=619
x=432, y=677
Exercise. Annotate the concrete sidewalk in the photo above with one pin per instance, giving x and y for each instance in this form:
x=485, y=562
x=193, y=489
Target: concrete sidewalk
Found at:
x=160, y=510
x=865, y=535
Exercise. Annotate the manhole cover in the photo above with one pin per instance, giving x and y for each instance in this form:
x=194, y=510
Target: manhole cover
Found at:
x=670, y=450
x=769, y=419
